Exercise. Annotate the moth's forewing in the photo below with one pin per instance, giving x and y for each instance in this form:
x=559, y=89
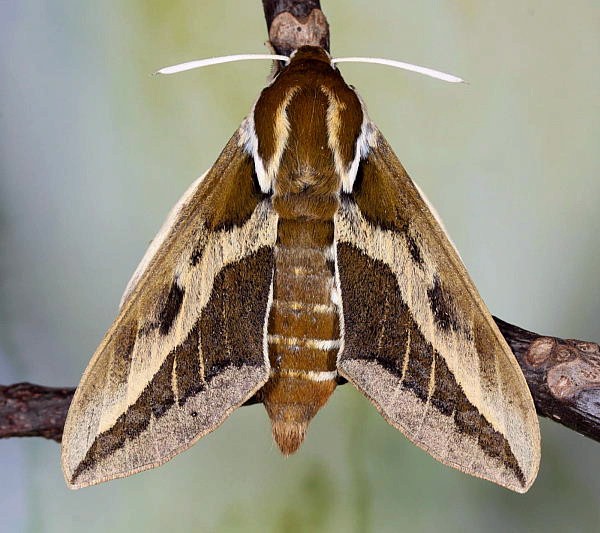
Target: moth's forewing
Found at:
x=418, y=340
x=182, y=353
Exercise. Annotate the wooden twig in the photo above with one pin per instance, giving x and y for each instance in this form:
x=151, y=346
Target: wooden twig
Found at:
x=293, y=23
x=563, y=374
x=28, y=410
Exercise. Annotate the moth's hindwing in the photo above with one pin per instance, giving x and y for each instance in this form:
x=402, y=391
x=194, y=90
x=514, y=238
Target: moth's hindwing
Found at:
x=418, y=340
x=183, y=352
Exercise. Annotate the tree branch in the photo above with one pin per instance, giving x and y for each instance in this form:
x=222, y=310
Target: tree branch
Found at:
x=28, y=410
x=563, y=374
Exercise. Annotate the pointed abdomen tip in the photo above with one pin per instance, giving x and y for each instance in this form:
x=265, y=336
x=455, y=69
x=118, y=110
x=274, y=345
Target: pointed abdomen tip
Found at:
x=289, y=435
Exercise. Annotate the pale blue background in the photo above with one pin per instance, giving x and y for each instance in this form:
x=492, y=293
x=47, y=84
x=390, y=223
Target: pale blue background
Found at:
x=94, y=151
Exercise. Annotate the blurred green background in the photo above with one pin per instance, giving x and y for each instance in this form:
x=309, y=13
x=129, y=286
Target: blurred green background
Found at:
x=94, y=151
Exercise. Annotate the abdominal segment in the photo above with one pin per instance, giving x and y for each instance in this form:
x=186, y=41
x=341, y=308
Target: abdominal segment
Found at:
x=303, y=329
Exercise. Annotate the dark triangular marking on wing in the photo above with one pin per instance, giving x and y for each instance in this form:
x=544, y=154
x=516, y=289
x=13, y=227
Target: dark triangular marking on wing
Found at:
x=232, y=323
x=169, y=310
x=393, y=340
x=414, y=250
x=444, y=313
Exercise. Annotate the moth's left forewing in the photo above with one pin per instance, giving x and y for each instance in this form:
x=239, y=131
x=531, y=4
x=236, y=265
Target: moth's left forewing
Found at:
x=182, y=353
x=418, y=340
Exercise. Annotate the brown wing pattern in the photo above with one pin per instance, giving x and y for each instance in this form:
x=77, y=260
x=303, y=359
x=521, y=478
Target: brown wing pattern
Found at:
x=418, y=340
x=182, y=354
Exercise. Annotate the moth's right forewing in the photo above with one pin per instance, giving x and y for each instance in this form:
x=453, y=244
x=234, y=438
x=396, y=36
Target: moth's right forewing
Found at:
x=418, y=340
x=189, y=344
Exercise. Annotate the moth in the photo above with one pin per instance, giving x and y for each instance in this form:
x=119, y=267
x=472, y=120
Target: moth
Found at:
x=304, y=257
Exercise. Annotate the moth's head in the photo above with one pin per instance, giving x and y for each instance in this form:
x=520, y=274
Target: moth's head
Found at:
x=305, y=58
x=309, y=53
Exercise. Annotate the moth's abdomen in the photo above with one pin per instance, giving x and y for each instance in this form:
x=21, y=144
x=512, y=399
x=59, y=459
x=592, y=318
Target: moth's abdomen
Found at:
x=303, y=329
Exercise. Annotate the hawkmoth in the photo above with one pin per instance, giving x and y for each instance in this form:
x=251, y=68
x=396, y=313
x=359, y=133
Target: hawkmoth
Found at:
x=305, y=256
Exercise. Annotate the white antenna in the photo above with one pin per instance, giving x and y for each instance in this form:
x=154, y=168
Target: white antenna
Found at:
x=400, y=64
x=182, y=67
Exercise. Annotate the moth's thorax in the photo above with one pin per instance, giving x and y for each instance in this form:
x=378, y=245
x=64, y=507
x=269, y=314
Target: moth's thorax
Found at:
x=306, y=125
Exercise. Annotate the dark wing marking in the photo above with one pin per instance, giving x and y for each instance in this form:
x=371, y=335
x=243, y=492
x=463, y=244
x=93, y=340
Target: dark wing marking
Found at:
x=189, y=344
x=418, y=340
